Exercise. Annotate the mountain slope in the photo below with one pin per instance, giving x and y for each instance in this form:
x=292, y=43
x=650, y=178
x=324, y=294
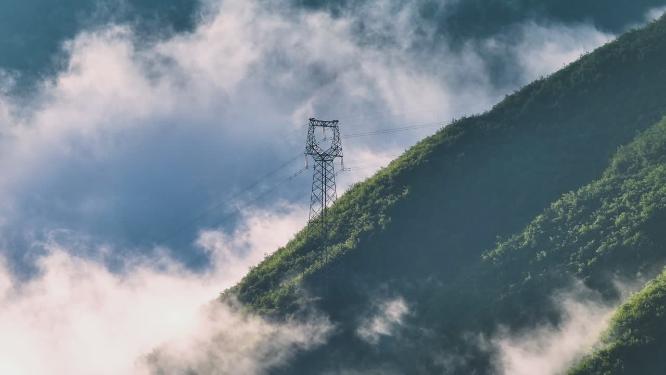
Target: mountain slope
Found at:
x=418, y=229
x=636, y=341
x=607, y=232
x=611, y=229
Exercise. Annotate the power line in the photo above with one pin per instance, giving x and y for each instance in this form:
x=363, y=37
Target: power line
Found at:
x=386, y=131
x=274, y=171
x=231, y=199
x=381, y=131
x=390, y=130
x=257, y=198
x=371, y=116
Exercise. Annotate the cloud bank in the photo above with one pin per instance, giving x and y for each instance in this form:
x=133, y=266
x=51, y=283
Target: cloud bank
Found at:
x=133, y=139
x=77, y=317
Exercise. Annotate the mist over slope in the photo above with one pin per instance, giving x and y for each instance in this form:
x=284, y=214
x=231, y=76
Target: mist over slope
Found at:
x=635, y=341
x=607, y=234
x=419, y=229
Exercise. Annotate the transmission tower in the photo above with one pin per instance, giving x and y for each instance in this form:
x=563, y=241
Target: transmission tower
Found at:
x=324, y=151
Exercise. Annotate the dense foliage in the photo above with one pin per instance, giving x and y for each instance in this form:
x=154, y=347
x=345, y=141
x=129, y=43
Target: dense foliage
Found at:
x=613, y=226
x=426, y=228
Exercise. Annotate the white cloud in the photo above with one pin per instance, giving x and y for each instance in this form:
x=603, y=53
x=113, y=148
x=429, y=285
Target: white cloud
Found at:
x=543, y=50
x=655, y=13
x=551, y=349
x=365, y=163
x=125, y=120
x=262, y=233
x=230, y=342
x=389, y=316
x=77, y=317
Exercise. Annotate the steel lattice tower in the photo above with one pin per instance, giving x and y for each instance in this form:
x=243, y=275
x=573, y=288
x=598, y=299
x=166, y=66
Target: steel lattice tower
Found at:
x=323, y=178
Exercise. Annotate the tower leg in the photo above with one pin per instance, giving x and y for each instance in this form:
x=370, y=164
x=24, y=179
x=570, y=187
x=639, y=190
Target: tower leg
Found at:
x=323, y=190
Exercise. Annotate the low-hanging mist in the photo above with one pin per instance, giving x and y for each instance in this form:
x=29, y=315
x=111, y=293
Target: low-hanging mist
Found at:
x=77, y=317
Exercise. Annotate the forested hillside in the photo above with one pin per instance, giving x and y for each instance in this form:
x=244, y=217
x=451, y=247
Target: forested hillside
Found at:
x=478, y=225
x=607, y=232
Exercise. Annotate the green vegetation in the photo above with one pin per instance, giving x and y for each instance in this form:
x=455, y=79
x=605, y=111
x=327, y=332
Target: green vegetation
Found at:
x=438, y=226
x=613, y=226
x=636, y=341
x=451, y=195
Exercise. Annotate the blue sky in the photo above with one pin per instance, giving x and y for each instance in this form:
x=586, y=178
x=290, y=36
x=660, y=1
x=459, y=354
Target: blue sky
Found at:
x=129, y=131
